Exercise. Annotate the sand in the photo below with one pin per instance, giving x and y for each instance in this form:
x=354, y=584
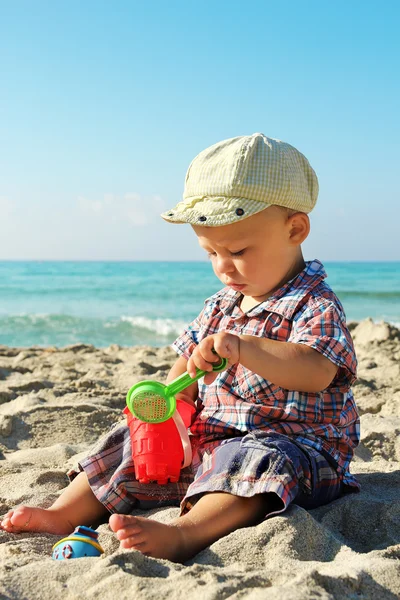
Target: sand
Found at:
x=54, y=403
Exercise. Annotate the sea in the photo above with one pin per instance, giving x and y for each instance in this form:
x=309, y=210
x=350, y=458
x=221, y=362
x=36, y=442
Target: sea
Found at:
x=44, y=303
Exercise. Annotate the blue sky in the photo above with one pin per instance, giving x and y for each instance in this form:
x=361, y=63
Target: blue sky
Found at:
x=104, y=104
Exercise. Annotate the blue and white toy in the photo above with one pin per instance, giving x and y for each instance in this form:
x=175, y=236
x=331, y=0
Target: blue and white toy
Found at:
x=82, y=542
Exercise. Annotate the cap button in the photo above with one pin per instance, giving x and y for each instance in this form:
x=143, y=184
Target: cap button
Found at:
x=239, y=212
x=202, y=218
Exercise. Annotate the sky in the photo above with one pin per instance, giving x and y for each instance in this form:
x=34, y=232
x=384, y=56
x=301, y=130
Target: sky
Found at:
x=103, y=105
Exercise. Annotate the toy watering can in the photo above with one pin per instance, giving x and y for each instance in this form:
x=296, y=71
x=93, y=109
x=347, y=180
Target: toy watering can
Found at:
x=158, y=426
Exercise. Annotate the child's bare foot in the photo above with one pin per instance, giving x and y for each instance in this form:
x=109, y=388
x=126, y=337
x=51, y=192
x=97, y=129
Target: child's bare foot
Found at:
x=151, y=537
x=27, y=518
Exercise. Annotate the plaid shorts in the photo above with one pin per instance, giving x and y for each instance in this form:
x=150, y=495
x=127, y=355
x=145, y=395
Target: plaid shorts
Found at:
x=259, y=462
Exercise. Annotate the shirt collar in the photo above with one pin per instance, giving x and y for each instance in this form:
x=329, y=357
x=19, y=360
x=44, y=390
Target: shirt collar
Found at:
x=285, y=300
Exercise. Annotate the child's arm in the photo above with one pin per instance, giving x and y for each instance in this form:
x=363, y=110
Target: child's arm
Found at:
x=288, y=365
x=189, y=394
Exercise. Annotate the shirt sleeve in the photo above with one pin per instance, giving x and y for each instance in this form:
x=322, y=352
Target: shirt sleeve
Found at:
x=322, y=326
x=188, y=340
x=194, y=332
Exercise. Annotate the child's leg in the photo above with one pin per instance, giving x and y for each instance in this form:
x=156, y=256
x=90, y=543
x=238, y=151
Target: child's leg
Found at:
x=212, y=517
x=280, y=470
x=77, y=505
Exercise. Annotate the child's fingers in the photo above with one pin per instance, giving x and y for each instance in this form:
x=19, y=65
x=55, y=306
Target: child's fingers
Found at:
x=202, y=362
x=227, y=346
x=206, y=354
x=197, y=361
x=222, y=349
x=209, y=352
x=191, y=367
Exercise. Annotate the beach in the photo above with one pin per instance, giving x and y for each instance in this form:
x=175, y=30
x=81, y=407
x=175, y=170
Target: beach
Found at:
x=56, y=402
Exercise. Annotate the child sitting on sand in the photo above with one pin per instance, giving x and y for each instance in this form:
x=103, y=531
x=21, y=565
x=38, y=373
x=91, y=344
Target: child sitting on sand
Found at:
x=279, y=425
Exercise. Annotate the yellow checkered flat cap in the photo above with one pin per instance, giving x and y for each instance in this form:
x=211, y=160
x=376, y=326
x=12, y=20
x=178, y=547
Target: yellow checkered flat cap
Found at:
x=239, y=177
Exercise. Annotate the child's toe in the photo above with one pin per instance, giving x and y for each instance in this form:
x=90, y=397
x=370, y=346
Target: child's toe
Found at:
x=134, y=543
x=127, y=532
x=118, y=522
x=4, y=524
x=21, y=517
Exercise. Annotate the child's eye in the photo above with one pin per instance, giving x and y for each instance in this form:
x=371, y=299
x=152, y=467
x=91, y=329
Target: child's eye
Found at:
x=239, y=253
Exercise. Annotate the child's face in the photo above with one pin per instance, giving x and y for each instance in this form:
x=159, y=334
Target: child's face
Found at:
x=258, y=255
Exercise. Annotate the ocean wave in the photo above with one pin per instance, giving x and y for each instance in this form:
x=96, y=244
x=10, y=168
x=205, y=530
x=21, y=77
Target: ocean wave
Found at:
x=26, y=329
x=160, y=326
x=41, y=329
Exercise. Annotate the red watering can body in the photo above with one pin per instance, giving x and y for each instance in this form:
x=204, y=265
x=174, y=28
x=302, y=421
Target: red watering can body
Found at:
x=157, y=449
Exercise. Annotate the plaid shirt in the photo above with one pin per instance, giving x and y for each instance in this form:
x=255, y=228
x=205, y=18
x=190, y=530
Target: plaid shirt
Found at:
x=303, y=311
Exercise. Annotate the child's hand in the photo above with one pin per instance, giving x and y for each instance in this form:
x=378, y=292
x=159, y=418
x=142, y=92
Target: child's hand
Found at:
x=225, y=344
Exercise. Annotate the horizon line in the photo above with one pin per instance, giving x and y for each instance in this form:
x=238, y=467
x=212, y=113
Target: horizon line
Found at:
x=131, y=260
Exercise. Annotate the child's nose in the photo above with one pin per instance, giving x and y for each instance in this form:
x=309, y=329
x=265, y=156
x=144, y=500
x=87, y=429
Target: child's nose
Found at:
x=225, y=264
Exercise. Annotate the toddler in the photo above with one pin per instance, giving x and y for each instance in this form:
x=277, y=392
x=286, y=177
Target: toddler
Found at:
x=279, y=425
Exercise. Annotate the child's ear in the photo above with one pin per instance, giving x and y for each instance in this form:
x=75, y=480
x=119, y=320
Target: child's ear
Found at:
x=299, y=227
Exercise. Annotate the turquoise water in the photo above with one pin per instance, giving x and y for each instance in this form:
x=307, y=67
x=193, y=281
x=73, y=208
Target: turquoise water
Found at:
x=129, y=303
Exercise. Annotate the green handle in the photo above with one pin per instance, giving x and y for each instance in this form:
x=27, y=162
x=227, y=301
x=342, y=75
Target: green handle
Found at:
x=184, y=380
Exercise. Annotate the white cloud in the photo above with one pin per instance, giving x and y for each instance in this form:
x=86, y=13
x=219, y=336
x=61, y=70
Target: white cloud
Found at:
x=136, y=209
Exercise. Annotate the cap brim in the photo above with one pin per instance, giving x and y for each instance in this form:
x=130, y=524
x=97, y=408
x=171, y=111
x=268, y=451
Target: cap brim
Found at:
x=213, y=211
